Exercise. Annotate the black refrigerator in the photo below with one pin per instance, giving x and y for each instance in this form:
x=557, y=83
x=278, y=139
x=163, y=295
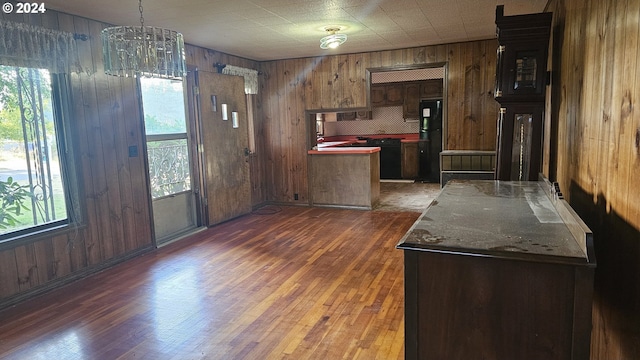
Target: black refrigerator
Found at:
x=430, y=144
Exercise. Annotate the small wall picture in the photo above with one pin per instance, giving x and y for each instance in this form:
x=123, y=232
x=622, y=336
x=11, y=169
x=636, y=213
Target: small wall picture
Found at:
x=214, y=103
x=224, y=112
x=234, y=119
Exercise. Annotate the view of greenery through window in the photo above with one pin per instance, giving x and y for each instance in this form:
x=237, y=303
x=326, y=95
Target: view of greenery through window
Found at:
x=166, y=129
x=31, y=190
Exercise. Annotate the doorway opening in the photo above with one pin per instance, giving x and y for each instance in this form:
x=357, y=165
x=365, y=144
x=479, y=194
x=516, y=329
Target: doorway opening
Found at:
x=174, y=203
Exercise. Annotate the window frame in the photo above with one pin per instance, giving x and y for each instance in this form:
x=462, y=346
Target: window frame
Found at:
x=69, y=169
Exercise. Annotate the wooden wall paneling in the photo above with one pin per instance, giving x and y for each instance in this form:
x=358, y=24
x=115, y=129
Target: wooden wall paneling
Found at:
x=143, y=235
x=258, y=173
x=282, y=147
x=306, y=81
x=122, y=142
x=85, y=103
x=8, y=273
x=267, y=91
x=585, y=55
x=325, y=73
x=297, y=129
x=315, y=102
x=79, y=131
x=455, y=99
x=300, y=173
x=608, y=108
x=407, y=56
x=113, y=245
x=291, y=133
x=424, y=55
x=314, y=99
x=632, y=130
x=589, y=67
x=391, y=58
x=77, y=250
x=339, y=81
x=43, y=251
x=473, y=75
x=442, y=53
x=563, y=166
x=375, y=59
x=355, y=89
x=628, y=94
x=277, y=147
x=285, y=130
x=61, y=260
x=617, y=171
x=26, y=267
x=598, y=154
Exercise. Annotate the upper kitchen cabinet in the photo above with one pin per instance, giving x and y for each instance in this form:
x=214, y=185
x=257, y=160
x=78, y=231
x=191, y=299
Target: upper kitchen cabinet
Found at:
x=406, y=94
x=411, y=106
x=387, y=94
x=355, y=115
x=431, y=89
x=419, y=90
x=522, y=56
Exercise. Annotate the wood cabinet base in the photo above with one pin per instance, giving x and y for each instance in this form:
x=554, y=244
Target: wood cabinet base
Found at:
x=349, y=180
x=474, y=307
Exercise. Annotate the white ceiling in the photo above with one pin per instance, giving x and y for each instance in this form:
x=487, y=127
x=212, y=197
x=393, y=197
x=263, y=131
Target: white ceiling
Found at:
x=278, y=29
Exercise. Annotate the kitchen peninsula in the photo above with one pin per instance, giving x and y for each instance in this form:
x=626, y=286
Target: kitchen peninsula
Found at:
x=344, y=176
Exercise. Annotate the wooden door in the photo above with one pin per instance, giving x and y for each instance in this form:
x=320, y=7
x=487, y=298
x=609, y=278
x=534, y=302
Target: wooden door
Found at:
x=225, y=146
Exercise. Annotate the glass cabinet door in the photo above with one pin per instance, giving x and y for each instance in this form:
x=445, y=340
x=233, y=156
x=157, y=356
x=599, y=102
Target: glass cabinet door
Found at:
x=520, y=142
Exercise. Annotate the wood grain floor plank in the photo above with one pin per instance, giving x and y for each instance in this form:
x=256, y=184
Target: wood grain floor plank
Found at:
x=280, y=283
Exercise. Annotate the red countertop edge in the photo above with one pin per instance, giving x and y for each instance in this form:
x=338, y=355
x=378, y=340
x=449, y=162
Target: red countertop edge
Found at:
x=409, y=137
x=344, y=150
x=333, y=144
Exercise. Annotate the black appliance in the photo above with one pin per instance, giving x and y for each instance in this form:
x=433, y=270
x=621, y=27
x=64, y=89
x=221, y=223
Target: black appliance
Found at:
x=390, y=157
x=430, y=144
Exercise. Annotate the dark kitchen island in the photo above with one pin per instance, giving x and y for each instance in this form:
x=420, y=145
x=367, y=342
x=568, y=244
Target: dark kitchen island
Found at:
x=498, y=270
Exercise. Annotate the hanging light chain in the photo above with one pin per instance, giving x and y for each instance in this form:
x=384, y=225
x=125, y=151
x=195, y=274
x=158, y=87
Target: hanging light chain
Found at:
x=140, y=8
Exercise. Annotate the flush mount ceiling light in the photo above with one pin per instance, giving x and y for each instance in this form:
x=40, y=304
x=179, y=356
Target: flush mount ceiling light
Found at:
x=332, y=40
x=143, y=51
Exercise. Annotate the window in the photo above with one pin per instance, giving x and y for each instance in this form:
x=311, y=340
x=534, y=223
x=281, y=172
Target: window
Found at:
x=166, y=130
x=33, y=188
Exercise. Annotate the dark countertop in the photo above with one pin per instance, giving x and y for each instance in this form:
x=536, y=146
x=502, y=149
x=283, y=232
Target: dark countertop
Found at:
x=494, y=218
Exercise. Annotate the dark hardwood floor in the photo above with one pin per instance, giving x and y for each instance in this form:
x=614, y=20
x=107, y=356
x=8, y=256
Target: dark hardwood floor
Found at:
x=280, y=283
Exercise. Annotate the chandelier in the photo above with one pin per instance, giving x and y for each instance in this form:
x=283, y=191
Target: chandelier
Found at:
x=332, y=40
x=143, y=51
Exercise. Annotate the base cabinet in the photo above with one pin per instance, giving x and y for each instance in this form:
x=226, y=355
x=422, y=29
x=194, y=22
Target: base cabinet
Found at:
x=345, y=180
x=410, y=164
x=498, y=270
x=473, y=307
